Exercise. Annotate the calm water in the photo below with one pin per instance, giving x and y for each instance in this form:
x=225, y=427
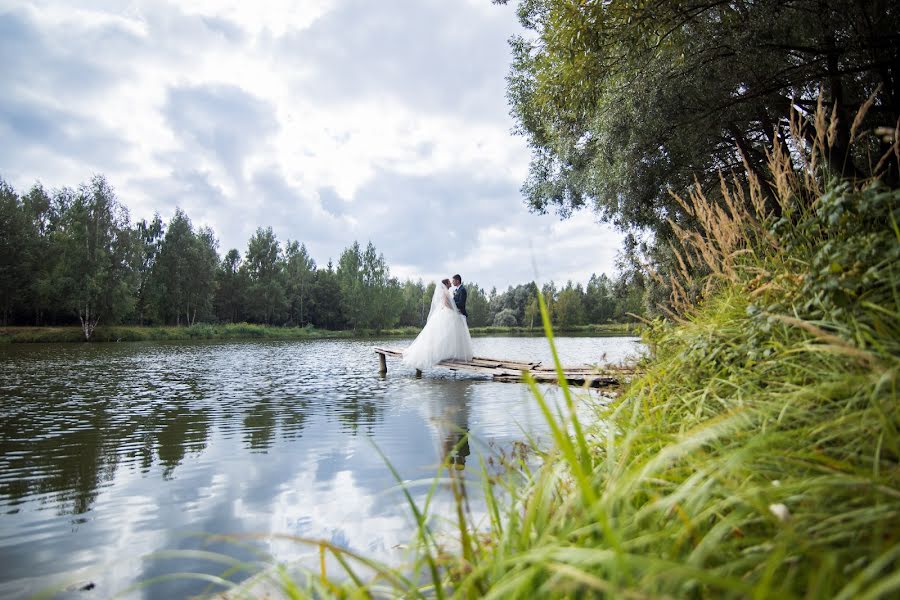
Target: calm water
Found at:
x=112, y=452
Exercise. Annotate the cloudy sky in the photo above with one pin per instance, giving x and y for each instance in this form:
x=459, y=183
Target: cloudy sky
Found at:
x=330, y=120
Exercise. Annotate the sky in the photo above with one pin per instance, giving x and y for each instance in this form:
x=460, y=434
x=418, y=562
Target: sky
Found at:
x=328, y=120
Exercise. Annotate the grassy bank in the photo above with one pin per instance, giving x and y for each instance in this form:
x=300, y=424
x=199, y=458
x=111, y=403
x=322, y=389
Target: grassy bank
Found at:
x=203, y=331
x=134, y=333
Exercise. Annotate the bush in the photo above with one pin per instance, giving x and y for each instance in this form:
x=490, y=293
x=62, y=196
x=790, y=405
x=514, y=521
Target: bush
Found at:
x=505, y=318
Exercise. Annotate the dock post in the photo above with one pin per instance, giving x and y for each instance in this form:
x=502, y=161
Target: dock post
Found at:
x=382, y=364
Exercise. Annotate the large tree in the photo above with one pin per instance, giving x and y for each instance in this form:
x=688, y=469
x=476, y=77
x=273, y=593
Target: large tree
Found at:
x=299, y=274
x=231, y=288
x=149, y=239
x=184, y=274
x=267, y=299
x=370, y=298
x=624, y=100
x=13, y=248
x=97, y=256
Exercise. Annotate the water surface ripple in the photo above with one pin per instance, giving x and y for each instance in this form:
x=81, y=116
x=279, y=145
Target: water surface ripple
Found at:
x=111, y=452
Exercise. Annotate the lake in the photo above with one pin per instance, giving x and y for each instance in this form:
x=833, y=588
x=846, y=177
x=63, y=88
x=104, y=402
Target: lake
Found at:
x=112, y=455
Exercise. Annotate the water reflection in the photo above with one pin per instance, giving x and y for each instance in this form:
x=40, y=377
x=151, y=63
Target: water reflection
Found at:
x=451, y=419
x=111, y=452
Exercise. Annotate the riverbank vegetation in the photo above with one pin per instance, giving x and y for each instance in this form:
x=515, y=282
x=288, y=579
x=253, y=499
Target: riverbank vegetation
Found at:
x=235, y=331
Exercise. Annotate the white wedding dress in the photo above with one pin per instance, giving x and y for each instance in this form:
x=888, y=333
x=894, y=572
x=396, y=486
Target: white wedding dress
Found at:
x=445, y=335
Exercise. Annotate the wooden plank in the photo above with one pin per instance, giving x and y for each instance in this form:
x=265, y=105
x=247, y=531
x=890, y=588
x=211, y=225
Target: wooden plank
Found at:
x=512, y=370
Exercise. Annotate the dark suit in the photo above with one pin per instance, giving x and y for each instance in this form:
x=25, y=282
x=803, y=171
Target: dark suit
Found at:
x=459, y=298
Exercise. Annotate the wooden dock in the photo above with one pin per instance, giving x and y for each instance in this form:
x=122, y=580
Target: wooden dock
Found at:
x=512, y=371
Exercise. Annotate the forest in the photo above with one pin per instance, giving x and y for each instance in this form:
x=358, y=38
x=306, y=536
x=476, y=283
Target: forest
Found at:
x=73, y=256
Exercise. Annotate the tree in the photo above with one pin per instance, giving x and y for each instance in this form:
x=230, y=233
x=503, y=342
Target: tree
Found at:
x=149, y=239
x=532, y=313
x=326, y=302
x=413, y=304
x=42, y=213
x=184, y=276
x=267, y=295
x=505, y=318
x=13, y=247
x=369, y=297
x=300, y=272
x=514, y=298
x=97, y=256
x=598, y=301
x=231, y=287
x=204, y=261
x=477, y=306
x=568, y=311
x=623, y=101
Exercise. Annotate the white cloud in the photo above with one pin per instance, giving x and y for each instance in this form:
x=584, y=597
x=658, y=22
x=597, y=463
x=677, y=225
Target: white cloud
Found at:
x=330, y=121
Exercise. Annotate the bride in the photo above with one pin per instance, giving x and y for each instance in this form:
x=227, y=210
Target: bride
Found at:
x=445, y=335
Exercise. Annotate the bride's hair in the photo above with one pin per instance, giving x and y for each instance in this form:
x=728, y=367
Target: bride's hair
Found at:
x=446, y=283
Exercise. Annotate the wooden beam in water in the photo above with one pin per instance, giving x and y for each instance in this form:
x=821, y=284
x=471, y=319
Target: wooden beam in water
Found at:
x=513, y=370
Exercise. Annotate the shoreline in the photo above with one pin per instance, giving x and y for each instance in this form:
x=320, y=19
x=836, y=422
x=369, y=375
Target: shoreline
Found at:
x=247, y=331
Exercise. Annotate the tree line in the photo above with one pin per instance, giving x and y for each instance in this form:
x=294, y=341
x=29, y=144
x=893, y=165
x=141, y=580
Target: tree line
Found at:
x=73, y=255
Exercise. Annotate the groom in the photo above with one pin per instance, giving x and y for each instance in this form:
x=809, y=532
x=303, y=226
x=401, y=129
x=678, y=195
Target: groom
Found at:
x=459, y=295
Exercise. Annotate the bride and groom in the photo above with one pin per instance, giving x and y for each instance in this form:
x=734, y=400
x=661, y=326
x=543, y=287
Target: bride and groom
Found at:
x=446, y=332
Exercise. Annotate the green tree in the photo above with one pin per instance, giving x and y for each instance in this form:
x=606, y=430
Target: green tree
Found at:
x=300, y=275
x=627, y=100
x=326, y=309
x=14, y=261
x=532, y=313
x=43, y=214
x=505, y=318
x=97, y=261
x=204, y=262
x=477, y=306
x=413, y=304
x=149, y=238
x=267, y=299
x=568, y=310
x=369, y=297
x=231, y=288
x=598, y=301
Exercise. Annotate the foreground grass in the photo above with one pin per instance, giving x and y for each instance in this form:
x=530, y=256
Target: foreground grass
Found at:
x=204, y=331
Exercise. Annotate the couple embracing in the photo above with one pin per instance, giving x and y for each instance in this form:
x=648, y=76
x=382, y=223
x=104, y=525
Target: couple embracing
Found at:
x=446, y=332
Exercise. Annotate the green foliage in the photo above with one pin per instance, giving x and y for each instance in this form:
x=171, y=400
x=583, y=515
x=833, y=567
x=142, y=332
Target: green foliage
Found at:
x=477, y=305
x=96, y=257
x=232, y=286
x=624, y=102
x=505, y=318
x=568, y=310
x=171, y=274
x=14, y=264
x=299, y=273
x=371, y=299
x=267, y=300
